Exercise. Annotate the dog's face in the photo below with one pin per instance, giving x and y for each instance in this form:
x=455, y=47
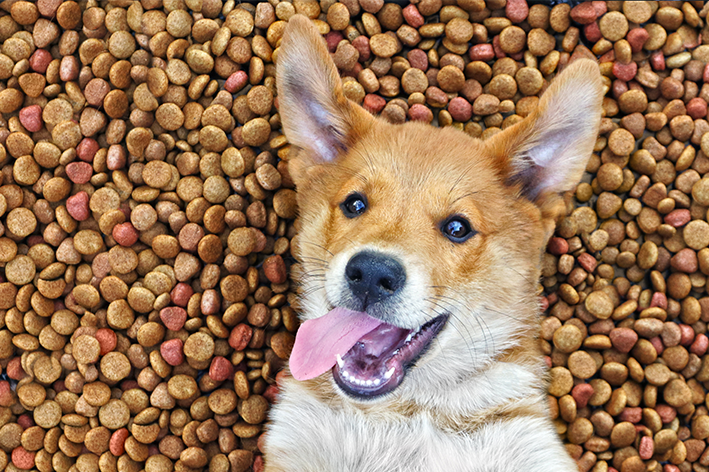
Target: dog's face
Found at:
x=435, y=235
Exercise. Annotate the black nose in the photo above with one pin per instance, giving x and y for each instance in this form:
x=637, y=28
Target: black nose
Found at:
x=374, y=277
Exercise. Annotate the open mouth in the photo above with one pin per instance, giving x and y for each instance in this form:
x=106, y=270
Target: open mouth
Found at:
x=377, y=363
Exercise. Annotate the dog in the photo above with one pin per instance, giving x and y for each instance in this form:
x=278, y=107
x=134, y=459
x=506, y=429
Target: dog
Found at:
x=419, y=253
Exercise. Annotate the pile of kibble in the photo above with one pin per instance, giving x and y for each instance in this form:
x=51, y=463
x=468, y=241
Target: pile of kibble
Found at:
x=146, y=217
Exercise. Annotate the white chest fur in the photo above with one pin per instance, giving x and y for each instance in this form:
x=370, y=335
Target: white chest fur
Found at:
x=306, y=434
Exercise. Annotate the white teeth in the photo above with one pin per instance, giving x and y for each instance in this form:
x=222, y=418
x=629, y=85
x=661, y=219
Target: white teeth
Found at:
x=409, y=337
x=340, y=362
x=368, y=383
x=389, y=373
x=377, y=382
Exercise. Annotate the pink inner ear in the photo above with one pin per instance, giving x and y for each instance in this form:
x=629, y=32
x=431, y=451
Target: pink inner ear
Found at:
x=310, y=94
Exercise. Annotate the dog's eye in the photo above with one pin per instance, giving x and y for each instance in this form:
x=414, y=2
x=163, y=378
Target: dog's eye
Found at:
x=354, y=205
x=457, y=229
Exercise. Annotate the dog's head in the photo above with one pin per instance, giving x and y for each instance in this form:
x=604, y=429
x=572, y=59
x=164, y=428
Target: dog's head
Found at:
x=420, y=246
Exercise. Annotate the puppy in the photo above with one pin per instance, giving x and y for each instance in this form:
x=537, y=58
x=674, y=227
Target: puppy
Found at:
x=419, y=251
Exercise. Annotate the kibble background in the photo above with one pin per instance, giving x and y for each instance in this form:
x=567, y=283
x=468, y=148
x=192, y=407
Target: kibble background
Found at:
x=147, y=217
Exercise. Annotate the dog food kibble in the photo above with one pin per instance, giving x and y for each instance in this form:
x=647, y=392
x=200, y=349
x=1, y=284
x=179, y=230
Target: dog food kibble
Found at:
x=147, y=213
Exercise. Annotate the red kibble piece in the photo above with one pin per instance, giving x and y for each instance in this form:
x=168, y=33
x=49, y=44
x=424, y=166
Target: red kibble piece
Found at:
x=25, y=421
x=632, y=414
x=657, y=344
x=129, y=384
x=582, y=393
x=412, y=16
x=547, y=361
x=14, y=369
x=609, y=57
x=685, y=261
x=31, y=118
x=361, y=44
x=666, y=412
x=271, y=393
x=220, y=369
x=700, y=345
x=258, y=464
x=601, y=7
x=516, y=10
x=497, y=47
x=275, y=269
x=79, y=172
x=39, y=60
x=587, y=261
x=418, y=59
x=637, y=37
x=623, y=339
x=240, y=336
x=584, y=13
x=558, y=246
x=659, y=299
x=697, y=108
x=280, y=376
x=173, y=317
x=646, y=449
x=171, y=351
x=78, y=206
x=6, y=396
x=117, y=442
x=34, y=239
x=373, y=103
x=625, y=72
x=22, y=458
x=332, y=39
x=482, y=52
x=460, y=109
x=107, y=340
x=418, y=112
x=686, y=334
x=657, y=60
x=236, y=81
x=181, y=294
x=87, y=149
x=592, y=32
x=59, y=386
x=153, y=450
x=125, y=234
x=544, y=303
x=678, y=218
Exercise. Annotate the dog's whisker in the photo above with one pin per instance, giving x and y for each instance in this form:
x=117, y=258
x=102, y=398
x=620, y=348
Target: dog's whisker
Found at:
x=484, y=328
x=445, y=310
x=317, y=245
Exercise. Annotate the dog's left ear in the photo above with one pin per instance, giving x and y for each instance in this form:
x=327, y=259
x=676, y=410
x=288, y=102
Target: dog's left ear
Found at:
x=547, y=152
x=315, y=113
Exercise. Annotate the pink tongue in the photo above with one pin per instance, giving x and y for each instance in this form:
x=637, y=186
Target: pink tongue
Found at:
x=319, y=341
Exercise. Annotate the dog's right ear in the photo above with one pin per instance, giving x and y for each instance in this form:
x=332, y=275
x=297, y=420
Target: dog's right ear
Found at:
x=315, y=113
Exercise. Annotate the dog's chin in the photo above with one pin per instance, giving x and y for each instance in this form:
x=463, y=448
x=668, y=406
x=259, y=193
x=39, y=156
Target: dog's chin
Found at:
x=377, y=363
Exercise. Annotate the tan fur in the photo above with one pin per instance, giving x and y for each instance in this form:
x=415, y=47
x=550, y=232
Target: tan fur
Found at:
x=415, y=176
